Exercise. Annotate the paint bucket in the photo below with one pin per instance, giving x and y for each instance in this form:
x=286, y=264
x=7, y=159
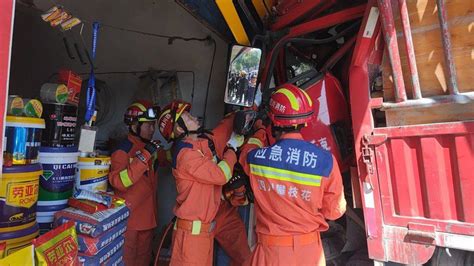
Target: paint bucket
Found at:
x=22, y=139
x=56, y=182
x=15, y=105
x=54, y=93
x=45, y=214
x=32, y=108
x=18, y=239
x=59, y=170
x=92, y=173
x=60, y=122
x=18, y=197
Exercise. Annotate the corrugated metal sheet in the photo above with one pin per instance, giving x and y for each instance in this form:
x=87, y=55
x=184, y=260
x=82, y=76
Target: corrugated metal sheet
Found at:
x=426, y=172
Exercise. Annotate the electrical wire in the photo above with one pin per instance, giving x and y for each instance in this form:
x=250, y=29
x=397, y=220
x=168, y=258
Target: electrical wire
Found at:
x=170, y=225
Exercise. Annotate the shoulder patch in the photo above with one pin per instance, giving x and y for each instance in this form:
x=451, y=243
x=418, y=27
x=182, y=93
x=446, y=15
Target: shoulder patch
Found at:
x=126, y=145
x=178, y=147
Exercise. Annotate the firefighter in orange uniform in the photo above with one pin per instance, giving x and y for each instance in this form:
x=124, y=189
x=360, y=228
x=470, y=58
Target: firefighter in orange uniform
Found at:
x=200, y=175
x=297, y=185
x=133, y=178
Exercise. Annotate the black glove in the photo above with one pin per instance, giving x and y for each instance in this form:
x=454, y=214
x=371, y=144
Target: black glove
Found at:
x=152, y=146
x=238, y=179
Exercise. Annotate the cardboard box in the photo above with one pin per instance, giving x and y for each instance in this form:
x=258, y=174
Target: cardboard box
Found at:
x=73, y=82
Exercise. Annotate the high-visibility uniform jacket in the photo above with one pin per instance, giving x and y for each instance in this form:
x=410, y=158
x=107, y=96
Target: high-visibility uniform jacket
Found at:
x=133, y=178
x=199, y=178
x=297, y=186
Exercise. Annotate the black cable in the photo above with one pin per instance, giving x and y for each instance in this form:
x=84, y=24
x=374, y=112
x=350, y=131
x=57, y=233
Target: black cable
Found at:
x=171, y=38
x=209, y=81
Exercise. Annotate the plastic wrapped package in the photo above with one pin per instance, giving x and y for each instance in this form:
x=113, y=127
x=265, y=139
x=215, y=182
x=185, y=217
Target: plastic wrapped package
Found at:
x=104, y=254
x=58, y=246
x=93, y=224
x=115, y=260
x=93, y=245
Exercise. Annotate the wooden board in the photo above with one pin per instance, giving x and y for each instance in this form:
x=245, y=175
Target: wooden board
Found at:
x=429, y=49
x=439, y=114
x=430, y=61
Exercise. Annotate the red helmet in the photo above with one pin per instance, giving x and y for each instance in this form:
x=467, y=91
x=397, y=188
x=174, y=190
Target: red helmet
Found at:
x=140, y=111
x=290, y=106
x=169, y=116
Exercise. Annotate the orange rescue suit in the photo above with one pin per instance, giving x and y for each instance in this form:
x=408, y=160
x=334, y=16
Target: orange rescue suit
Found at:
x=199, y=181
x=133, y=178
x=297, y=186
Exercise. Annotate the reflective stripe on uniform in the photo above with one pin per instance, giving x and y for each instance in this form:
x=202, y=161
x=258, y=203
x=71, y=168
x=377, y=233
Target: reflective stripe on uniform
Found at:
x=255, y=141
x=226, y=169
x=286, y=175
x=196, y=228
x=126, y=181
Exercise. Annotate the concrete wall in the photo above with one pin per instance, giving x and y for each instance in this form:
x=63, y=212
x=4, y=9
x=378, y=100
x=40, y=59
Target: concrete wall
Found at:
x=38, y=53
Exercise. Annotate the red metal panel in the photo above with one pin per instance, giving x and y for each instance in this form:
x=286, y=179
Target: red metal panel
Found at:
x=464, y=168
x=405, y=200
x=327, y=21
x=290, y=11
x=7, y=8
x=428, y=179
x=362, y=124
x=330, y=104
x=423, y=174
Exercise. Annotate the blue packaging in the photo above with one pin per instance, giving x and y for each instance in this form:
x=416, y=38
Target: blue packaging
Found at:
x=115, y=260
x=93, y=245
x=93, y=224
x=103, y=255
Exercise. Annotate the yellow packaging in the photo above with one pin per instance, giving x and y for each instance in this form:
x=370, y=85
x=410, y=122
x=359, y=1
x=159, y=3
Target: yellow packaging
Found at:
x=58, y=246
x=24, y=256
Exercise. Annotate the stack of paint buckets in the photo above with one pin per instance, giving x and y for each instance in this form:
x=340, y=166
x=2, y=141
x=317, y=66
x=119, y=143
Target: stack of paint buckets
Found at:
x=58, y=154
x=64, y=167
x=19, y=183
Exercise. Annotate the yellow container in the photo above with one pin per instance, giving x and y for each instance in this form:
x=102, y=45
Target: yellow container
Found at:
x=92, y=173
x=18, y=240
x=19, y=187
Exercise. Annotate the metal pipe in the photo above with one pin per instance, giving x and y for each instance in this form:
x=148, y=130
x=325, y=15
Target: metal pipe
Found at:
x=339, y=54
x=461, y=98
x=390, y=35
x=415, y=80
x=448, y=55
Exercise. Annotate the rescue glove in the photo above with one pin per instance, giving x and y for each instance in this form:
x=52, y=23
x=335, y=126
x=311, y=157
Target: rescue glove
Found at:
x=152, y=146
x=235, y=141
x=238, y=179
x=236, y=190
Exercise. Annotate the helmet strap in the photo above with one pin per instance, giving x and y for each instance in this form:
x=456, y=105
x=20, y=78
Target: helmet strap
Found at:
x=183, y=126
x=277, y=130
x=137, y=134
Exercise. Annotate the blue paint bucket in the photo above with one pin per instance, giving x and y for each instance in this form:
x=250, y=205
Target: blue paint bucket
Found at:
x=56, y=183
x=22, y=140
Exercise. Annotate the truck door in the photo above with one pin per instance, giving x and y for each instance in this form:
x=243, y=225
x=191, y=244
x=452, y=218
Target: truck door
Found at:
x=416, y=181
